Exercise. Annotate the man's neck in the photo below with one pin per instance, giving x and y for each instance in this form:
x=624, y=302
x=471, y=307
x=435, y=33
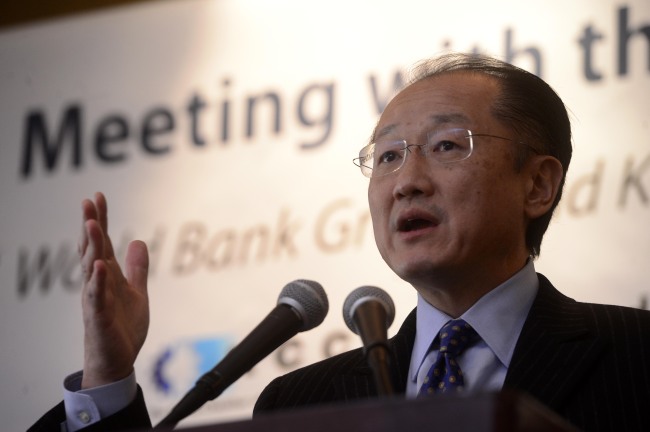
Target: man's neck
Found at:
x=455, y=295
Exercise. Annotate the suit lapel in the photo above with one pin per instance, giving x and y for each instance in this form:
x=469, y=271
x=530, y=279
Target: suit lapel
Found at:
x=402, y=348
x=554, y=350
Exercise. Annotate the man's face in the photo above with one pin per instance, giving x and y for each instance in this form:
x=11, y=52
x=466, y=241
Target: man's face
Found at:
x=436, y=223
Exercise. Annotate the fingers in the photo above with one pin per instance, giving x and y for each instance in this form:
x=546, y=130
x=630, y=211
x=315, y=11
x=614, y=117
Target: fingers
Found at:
x=88, y=212
x=94, y=211
x=102, y=210
x=137, y=265
x=94, y=248
x=95, y=290
x=102, y=217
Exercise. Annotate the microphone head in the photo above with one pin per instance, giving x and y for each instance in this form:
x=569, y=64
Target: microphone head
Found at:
x=365, y=294
x=308, y=299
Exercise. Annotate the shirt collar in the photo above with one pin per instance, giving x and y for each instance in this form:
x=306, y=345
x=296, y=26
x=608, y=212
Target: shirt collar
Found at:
x=497, y=317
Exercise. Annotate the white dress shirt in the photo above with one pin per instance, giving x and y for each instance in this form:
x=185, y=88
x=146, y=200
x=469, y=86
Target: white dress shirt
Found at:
x=497, y=317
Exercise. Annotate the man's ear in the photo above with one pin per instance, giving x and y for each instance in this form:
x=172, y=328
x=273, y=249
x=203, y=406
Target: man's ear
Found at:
x=545, y=175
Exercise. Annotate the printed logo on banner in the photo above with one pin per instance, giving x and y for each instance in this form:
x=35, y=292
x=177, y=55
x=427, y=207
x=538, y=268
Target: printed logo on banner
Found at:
x=181, y=363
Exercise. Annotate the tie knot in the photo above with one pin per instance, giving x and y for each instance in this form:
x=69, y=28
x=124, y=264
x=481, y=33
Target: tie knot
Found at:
x=455, y=336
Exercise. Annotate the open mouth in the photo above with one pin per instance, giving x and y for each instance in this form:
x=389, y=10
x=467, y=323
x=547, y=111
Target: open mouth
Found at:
x=409, y=225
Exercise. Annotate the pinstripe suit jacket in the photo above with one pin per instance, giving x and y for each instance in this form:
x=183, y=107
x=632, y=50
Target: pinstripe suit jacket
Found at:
x=589, y=363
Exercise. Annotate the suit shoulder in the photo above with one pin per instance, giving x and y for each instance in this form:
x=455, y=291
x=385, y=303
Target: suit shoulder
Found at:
x=616, y=312
x=619, y=323
x=312, y=384
x=549, y=299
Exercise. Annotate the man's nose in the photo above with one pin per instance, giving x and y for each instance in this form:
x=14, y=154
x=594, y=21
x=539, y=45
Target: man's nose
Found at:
x=413, y=177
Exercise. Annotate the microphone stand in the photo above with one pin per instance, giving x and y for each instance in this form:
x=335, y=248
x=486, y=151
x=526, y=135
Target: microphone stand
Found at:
x=375, y=346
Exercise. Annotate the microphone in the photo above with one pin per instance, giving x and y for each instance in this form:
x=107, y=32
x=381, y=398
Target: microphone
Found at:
x=369, y=311
x=302, y=305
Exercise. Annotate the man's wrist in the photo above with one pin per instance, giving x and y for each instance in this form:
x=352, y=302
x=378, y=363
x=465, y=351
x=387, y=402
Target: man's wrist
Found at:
x=88, y=406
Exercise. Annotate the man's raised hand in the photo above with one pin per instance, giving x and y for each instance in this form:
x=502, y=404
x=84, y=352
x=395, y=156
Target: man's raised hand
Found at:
x=115, y=305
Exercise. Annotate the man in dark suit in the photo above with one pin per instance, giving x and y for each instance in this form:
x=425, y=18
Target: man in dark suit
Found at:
x=461, y=222
x=466, y=166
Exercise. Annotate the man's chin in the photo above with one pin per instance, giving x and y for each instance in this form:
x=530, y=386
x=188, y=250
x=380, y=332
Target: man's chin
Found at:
x=417, y=273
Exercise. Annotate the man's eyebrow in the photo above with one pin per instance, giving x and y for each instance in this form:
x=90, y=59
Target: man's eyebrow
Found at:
x=436, y=120
x=382, y=132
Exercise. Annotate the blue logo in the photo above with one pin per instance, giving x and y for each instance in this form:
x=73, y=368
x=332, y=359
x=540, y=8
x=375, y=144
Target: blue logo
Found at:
x=179, y=366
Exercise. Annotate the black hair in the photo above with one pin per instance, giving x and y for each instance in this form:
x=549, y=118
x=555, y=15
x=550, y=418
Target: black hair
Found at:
x=527, y=104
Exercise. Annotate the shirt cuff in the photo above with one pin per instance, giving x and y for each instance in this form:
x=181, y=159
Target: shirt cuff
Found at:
x=88, y=406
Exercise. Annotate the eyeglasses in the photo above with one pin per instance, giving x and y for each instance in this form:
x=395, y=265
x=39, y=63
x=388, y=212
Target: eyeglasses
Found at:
x=444, y=146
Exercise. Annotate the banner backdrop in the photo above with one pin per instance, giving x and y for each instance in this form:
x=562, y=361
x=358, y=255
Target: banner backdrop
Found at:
x=223, y=132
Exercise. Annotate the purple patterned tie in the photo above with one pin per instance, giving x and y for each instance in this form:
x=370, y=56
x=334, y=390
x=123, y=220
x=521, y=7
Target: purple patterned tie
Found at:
x=445, y=374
